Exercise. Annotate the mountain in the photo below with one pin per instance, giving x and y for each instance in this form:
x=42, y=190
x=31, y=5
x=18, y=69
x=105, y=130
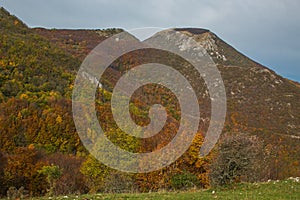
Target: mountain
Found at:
x=258, y=98
x=37, y=72
x=259, y=101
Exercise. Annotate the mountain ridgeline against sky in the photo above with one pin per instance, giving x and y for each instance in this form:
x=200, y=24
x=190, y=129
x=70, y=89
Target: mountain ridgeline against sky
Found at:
x=258, y=98
x=37, y=72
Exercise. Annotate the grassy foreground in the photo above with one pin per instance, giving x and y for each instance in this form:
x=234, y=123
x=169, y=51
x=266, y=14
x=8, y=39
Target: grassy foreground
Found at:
x=288, y=189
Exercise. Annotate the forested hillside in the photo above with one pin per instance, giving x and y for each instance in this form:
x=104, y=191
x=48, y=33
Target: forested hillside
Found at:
x=41, y=151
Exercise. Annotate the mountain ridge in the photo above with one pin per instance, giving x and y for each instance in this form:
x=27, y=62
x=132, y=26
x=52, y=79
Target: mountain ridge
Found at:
x=230, y=62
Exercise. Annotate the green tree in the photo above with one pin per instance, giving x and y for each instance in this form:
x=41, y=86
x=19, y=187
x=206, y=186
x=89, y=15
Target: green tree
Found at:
x=95, y=173
x=52, y=173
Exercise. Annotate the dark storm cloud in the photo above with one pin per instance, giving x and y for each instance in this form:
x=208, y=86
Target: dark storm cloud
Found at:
x=266, y=31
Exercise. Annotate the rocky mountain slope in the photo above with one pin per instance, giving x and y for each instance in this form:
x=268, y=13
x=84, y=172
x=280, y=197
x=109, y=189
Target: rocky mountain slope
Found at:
x=259, y=101
x=258, y=98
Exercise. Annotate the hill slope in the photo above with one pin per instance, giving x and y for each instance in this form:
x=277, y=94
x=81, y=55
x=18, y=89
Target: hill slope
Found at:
x=37, y=72
x=257, y=97
x=259, y=101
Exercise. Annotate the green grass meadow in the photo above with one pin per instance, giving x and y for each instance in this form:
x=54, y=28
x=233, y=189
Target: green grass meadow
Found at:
x=287, y=189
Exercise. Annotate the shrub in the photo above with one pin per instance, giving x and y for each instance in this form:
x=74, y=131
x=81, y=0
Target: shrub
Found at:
x=21, y=169
x=52, y=173
x=95, y=173
x=239, y=158
x=118, y=182
x=14, y=193
x=184, y=181
x=72, y=180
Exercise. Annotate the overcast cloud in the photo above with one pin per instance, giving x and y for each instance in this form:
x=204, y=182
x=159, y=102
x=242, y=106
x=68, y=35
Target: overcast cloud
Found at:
x=267, y=31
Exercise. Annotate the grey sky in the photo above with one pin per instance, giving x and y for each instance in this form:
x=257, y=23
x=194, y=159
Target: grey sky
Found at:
x=267, y=31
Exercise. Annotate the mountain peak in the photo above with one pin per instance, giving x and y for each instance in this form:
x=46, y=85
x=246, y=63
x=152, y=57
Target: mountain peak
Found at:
x=195, y=31
x=221, y=52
